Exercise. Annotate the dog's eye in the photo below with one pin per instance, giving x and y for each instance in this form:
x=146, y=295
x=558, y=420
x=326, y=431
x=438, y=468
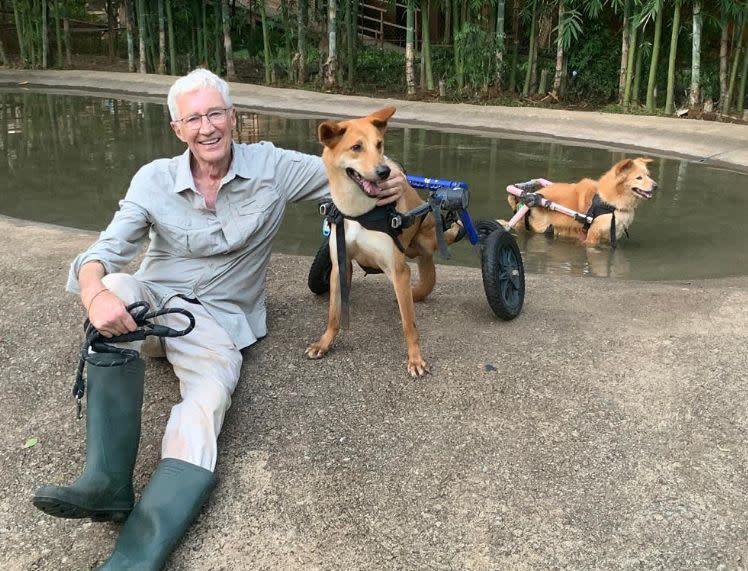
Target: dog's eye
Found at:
x=379, y=145
x=357, y=148
x=640, y=177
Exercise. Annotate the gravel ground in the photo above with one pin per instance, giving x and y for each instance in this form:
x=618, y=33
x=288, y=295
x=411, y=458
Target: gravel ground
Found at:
x=604, y=428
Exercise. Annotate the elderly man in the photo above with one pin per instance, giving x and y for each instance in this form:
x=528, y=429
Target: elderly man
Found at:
x=211, y=214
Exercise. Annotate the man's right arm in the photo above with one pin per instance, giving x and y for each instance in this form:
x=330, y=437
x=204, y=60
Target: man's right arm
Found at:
x=115, y=248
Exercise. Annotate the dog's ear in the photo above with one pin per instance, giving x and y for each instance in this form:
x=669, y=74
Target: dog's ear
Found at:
x=379, y=118
x=646, y=160
x=330, y=133
x=622, y=166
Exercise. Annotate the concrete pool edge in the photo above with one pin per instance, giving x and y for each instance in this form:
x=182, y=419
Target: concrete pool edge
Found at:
x=710, y=143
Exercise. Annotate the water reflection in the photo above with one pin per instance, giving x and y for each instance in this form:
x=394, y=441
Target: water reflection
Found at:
x=68, y=160
x=544, y=255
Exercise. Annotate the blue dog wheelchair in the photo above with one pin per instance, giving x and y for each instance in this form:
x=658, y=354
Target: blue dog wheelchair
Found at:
x=501, y=261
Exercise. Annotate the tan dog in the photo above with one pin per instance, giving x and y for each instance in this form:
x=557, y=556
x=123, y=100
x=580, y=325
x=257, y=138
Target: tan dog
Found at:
x=624, y=186
x=354, y=157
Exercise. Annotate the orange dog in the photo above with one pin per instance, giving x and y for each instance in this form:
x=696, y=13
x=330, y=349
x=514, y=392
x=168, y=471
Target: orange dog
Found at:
x=354, y=157
x=623, y=187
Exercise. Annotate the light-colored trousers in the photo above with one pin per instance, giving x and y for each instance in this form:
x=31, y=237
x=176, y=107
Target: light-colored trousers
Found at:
x=207, y=364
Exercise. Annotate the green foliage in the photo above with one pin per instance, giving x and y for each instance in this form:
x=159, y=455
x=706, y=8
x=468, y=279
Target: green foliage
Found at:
x=591, y=32
x=571, y=27
x=476, y=48
x=381, y=67
x=709, y=79
x=596, y=59
x=313, y=57
x=442, y=63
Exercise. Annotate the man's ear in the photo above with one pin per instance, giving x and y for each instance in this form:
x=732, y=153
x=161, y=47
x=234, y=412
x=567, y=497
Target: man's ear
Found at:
x=379, y=118
x=177, y=127
x=330, y=133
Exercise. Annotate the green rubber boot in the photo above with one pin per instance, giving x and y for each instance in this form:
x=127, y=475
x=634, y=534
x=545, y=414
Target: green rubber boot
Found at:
x=104, y=490
x=169, y=504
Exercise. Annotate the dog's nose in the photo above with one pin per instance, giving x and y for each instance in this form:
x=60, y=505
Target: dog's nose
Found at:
x=383, y=171
x=654, y=185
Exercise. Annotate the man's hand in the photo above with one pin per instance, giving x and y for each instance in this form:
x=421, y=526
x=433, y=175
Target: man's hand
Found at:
x=106, y=311
x=109, y=315
x=394, y=187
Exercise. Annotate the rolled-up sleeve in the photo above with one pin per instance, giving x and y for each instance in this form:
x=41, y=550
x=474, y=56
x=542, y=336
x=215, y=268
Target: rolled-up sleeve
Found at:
x=119, y=243
x=300, y=176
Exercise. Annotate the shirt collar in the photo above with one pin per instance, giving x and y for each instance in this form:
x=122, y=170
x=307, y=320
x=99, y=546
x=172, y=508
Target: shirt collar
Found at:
x=183, y=181
x=240, y=164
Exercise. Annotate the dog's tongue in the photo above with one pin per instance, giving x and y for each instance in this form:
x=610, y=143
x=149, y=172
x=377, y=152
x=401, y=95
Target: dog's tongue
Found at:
x=370, y=188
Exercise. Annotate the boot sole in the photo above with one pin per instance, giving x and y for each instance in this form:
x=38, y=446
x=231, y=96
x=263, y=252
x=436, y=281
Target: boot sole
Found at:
x=57, y=508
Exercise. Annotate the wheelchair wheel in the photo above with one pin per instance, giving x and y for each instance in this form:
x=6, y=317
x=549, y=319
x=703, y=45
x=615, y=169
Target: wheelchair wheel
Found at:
x=319, y=273
x=484, y=228
x=503, y=274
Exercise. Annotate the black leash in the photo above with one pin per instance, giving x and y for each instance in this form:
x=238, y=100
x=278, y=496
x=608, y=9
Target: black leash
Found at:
x=141, y=314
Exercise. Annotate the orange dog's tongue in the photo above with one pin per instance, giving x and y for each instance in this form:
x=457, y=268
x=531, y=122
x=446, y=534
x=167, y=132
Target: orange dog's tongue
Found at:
x=371, y=188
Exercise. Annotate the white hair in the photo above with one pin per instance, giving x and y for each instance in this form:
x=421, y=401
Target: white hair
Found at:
x=199, y=78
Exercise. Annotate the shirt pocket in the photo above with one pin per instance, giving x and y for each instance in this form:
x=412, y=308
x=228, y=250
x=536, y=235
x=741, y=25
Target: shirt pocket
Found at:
x=172, y=232
x=256, y=215
x=192, y=237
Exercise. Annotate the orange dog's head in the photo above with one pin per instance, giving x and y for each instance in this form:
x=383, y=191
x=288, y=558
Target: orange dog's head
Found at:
x=354, y=153
x=631, y=182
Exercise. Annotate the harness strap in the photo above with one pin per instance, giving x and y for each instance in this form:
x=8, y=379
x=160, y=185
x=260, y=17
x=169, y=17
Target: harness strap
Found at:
x=379, y=219
x=345, y=292
x=440, y=241
x=598, y=208
x=532, y=199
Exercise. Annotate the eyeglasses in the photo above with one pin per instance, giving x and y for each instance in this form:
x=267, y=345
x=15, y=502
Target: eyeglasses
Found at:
x=216, y=117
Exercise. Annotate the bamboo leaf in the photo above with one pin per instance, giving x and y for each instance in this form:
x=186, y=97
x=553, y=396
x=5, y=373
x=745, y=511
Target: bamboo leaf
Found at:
x=31, y=442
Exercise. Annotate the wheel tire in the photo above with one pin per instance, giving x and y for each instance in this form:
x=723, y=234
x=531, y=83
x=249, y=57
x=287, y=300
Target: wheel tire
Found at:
x=503, y=274
x=484, y=228
x=319, y=273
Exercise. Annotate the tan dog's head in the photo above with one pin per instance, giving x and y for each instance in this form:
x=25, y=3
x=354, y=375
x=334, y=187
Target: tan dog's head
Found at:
x=354, y=157
x=632, y=180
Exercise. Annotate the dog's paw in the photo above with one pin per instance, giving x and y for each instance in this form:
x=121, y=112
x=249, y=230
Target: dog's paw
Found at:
x=315, y=351
x=417, y=367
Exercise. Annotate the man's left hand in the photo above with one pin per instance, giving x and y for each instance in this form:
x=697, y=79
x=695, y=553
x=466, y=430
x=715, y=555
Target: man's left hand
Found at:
x=394, y=187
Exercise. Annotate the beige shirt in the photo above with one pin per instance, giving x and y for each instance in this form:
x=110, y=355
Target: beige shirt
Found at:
x=219, y=257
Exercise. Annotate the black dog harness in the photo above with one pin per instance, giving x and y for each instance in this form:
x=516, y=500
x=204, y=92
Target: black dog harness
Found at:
x=380, y=219
x=598, y=208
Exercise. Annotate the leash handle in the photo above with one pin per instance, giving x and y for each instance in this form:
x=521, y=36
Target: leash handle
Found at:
x=141, y=314
x=147, y=328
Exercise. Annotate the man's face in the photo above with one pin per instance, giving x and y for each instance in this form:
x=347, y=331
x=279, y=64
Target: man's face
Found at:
x=209, y=141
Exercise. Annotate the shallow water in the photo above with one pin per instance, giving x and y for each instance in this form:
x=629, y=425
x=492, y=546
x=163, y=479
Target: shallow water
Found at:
x=68, y=159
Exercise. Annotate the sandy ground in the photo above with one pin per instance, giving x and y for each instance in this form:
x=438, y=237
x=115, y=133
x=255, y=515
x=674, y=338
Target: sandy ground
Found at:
x=605, y=428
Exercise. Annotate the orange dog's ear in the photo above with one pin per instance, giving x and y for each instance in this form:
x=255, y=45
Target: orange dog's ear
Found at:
x=330, y=133
x=379, y=118
x=622, y=166
x=646, y=160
